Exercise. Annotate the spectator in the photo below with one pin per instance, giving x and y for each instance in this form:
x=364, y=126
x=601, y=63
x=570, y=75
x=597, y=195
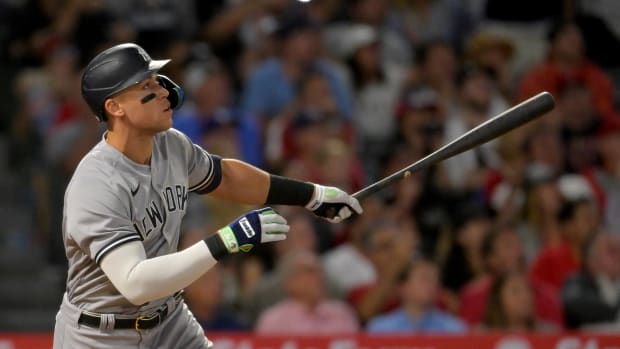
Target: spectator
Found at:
x=394, y=47
x=464, y=262
x=511, y=306
x=338, y=165
x=425, y=196
x=267, y=291
x=204, y=296
x=504, y=185
x=566, y=60
x=214, y=121
x=478, y=99
x=298, y=132
x=604, y=178
x=494, y=52
x=436, y=66
x=420, y=120
x=419, y=287
x=543, y=145
x=503, y=254
x=239, y=32
x=422, y=20
x=539, y=225
x=347, y=265
x=271, y=86
x=578, y=221
x=579, y=125
x=591, y=297
x=305, y=310
x=525, y=22
x=376, y=85
x=389, y=247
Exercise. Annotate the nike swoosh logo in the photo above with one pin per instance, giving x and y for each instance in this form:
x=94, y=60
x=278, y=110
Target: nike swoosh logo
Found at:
x=135, y=191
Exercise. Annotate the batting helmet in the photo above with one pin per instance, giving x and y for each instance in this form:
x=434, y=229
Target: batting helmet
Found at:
x=118, y=68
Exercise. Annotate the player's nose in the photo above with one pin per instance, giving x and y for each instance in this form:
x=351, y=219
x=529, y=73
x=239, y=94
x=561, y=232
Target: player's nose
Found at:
x=161, y=90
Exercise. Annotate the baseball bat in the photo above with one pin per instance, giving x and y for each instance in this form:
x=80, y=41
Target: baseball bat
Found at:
x=508, y=120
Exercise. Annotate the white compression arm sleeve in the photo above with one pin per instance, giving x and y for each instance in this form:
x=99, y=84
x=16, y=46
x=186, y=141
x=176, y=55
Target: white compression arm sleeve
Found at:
x=141, y=280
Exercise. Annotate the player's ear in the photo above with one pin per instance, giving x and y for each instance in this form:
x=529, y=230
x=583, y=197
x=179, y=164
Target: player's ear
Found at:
x=112, y=108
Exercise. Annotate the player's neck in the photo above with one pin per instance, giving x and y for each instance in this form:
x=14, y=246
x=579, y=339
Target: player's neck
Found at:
x=138, y=148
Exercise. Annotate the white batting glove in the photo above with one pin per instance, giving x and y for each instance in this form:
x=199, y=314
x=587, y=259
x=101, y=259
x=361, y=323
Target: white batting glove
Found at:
x=333, y=204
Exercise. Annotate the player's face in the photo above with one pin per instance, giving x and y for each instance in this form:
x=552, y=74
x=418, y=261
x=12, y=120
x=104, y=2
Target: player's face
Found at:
x=151, y=115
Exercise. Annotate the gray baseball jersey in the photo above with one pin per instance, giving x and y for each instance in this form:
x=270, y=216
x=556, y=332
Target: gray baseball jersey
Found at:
x=112, y=200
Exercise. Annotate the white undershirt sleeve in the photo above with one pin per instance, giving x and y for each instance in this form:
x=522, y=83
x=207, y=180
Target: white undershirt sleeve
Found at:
x=142, y=280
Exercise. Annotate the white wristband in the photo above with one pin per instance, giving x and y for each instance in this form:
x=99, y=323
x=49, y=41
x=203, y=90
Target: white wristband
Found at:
x=317, y=198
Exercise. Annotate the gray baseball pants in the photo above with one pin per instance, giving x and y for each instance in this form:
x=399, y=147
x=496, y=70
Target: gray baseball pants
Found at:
x=179, y=330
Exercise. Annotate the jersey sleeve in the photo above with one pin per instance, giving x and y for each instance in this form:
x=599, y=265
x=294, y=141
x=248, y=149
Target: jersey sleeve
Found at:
x=204, y=169
x=97, y=218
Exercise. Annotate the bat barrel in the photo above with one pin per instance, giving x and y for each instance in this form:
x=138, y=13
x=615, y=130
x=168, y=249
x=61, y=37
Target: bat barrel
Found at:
x=510, y=119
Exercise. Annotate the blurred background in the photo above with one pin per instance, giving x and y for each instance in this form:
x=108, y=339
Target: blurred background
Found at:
x=522, y=233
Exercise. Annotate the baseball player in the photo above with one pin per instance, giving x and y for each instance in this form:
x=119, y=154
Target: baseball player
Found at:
x=125, y=202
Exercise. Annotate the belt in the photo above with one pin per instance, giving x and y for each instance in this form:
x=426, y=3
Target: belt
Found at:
x=142, y=322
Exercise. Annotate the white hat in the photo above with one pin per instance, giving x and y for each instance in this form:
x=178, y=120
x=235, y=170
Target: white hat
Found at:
x=575, y=187
x=356, y=37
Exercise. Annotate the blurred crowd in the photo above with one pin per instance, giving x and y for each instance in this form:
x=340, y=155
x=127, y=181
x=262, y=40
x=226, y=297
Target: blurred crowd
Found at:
x=522, y=233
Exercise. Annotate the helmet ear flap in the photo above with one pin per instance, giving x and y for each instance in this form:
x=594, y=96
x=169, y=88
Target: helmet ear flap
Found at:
x=176, y=96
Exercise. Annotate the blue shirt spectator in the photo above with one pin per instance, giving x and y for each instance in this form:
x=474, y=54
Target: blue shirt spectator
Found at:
x=419, y=287
x=272, y=85
x=213, y=120
x=269, y=90
x=431, y=321
x=245, y=125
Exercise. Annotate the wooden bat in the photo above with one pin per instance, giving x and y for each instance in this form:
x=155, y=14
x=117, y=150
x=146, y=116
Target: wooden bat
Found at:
x=508, y=120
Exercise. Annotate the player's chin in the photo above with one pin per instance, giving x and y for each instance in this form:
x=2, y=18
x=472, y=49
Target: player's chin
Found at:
x=167, y=113
x=166, y=119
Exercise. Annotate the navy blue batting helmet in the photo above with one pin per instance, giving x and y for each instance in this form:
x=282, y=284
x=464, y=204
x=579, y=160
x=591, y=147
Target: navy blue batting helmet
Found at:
x=118, y=68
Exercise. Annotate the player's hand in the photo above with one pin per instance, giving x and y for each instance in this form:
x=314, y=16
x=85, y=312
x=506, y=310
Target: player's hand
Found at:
x=253, y=228
x=333, y=204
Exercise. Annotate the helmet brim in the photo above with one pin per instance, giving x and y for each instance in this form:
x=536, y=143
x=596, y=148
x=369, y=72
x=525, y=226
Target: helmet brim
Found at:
x=155, y=65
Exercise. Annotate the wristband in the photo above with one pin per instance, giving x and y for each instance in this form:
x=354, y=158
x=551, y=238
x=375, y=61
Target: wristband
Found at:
x=216, y=246
x=287, y=191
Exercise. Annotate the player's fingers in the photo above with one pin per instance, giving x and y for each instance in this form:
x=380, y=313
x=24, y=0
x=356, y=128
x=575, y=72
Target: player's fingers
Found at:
x=344, y=213
x=274, y=237
x=335, y=219
x=275, y=228
x=355, y=205
x=274, y=232
x=272, y=218
x=266, y=210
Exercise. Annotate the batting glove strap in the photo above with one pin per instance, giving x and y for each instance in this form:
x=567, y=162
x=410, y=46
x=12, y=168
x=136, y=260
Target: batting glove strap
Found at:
x=317, y=199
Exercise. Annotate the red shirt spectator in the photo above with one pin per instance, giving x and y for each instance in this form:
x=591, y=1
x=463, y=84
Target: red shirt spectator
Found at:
x=579, y=219
x=567, y=62
x=474, y=298
x=554, y=263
